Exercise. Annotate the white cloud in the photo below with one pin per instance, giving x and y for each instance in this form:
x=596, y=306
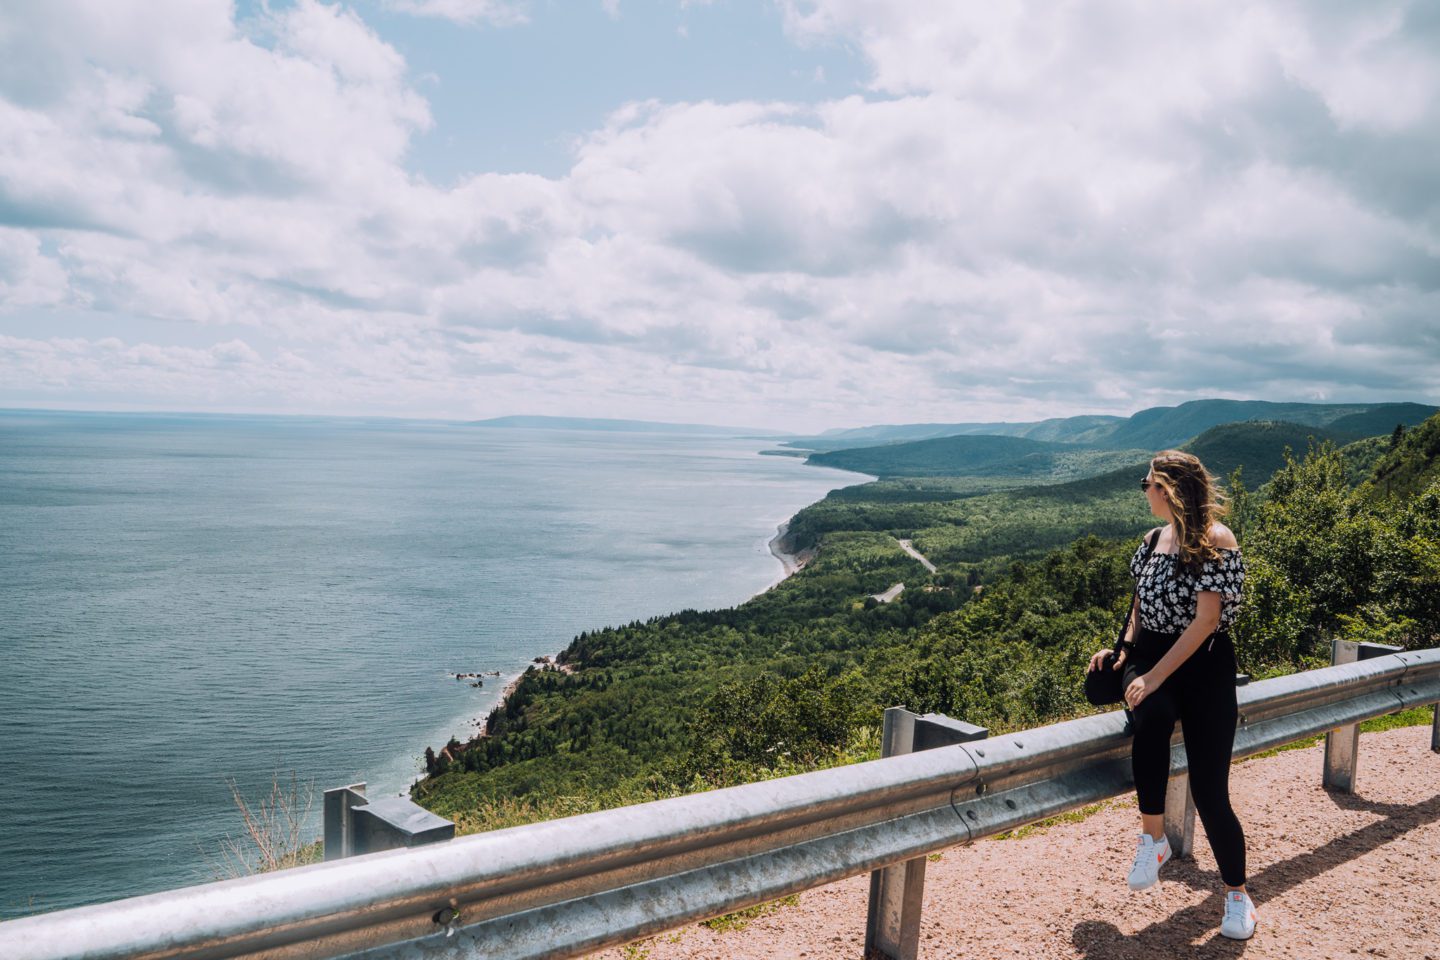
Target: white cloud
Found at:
x=500, y=13
x=28, y=278
x=1034, y=211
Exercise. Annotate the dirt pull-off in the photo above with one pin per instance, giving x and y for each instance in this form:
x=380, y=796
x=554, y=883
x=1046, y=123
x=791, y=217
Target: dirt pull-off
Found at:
x=1332, y=876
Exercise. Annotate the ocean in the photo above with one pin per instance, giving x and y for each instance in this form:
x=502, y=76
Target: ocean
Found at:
x=188, y=602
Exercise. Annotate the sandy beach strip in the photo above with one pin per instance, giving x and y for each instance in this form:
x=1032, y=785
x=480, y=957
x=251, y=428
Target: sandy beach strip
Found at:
x=793, y=562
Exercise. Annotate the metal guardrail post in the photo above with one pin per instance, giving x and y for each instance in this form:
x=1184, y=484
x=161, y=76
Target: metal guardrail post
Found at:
x=355, y=825
x=892, y=923
x=1342, y=745
x=338, y=830
x=897, y=892
x=1435, y=728
x=1180, y=815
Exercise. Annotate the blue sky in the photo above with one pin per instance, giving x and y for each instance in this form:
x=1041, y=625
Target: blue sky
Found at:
x=794, y=213
x=515, y=99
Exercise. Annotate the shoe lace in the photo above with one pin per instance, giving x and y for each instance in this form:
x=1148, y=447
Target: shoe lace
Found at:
x=1235, y=908
x=1144, y=852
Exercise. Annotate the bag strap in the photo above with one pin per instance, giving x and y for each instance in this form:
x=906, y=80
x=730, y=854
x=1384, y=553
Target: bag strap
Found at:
x=1153, y=539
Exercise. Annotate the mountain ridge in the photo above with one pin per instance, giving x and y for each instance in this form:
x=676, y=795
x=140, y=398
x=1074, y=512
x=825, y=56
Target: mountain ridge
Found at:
x=1153, y=428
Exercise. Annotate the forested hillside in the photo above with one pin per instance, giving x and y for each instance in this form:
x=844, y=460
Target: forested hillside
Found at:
x=980, y=456
x=1152, y=429
x=980, y=530
x=1030, y=582
x=1162, y=427
x=1061, y=429
x=1410, y=463
x=1257, y=447
x=1010, y=459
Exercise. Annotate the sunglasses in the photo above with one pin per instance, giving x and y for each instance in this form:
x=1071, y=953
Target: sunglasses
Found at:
x=1147, y=484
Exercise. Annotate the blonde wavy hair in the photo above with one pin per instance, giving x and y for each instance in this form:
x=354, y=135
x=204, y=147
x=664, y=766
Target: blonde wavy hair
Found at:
x=1195, y=501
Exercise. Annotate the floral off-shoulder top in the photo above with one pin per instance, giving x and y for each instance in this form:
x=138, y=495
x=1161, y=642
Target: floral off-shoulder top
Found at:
x=1167, y=592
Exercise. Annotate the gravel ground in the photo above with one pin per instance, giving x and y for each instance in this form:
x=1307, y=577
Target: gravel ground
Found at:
x=1331, y=876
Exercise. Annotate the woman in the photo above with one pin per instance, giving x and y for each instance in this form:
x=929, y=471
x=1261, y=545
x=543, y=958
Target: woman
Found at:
x=1179, y=664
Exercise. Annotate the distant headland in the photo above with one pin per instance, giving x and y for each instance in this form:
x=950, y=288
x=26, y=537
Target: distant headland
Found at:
x=623, y=426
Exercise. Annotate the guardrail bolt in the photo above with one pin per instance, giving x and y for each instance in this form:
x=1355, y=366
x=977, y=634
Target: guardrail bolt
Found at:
x=449, y=918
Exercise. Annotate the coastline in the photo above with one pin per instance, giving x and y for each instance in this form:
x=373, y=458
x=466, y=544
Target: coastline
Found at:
x=792, y=563
x=778, y=544
x=544, y=660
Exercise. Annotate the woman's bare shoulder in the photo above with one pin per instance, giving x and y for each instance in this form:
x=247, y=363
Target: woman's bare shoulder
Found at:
x=1223, y=537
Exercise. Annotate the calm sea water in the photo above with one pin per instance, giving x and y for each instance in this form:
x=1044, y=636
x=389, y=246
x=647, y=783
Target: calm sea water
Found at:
x=186, y=601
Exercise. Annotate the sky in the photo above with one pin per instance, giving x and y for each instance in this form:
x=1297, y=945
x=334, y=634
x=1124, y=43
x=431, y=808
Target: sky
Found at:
x=793, y=214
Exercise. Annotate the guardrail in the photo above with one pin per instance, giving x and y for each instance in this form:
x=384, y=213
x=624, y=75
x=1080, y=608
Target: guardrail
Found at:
x=566, y=887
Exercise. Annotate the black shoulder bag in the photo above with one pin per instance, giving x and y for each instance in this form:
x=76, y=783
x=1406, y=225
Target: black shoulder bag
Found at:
x=1106, y=685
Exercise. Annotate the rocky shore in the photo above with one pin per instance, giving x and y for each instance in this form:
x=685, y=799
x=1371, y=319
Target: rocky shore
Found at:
x=455, y=748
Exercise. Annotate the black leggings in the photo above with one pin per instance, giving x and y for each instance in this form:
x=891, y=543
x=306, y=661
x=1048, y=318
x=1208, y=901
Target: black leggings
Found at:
x=1201, y=695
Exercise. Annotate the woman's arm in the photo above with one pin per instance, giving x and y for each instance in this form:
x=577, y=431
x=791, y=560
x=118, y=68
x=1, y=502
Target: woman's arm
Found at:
x=1207, y=618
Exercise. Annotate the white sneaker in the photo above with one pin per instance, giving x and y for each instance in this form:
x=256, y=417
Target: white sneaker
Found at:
x=1239, y=922
x=1150, y=856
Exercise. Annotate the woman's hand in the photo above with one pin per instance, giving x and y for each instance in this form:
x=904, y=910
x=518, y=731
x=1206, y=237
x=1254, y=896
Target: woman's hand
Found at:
x=1098, y=661
x=1140, y=688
